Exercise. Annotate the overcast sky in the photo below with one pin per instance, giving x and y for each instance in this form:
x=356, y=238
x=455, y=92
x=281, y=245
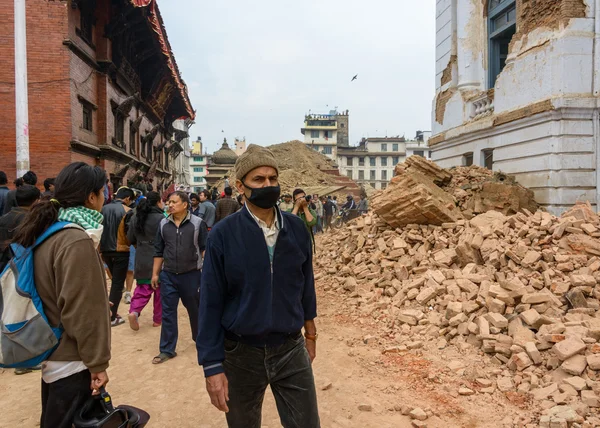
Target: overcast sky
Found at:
x=254, y=69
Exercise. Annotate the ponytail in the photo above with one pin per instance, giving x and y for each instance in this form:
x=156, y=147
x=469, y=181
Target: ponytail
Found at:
x=143, y=209
x=41, y=216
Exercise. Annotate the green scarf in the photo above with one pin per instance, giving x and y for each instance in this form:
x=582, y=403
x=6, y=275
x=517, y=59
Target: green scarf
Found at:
x=84, y=217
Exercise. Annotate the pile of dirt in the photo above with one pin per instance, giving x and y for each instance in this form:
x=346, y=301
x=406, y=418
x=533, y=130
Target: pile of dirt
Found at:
x=521, y=289
x=299, y=166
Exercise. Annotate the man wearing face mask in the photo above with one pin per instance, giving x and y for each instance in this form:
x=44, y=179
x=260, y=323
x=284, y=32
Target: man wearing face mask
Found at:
x=252, y=312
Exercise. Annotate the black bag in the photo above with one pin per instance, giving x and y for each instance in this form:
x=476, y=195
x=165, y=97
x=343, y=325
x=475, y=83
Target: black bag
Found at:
x=99, y=412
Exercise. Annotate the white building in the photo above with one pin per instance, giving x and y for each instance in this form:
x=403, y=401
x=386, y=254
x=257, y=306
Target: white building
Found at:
x=326, y=133
x=240, y=146
x=517, y=91
x=374, y=159
x=198, y=166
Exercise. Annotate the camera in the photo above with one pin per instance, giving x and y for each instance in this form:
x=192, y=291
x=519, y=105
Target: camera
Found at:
x=308, y=198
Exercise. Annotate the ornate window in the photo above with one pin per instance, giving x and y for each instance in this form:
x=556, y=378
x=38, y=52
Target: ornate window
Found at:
x=87, y=20
x=502, y=26
x=132, y=138
x=119, y=123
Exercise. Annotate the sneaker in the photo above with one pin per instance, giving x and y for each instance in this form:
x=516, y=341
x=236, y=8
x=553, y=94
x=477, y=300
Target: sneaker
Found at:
x=133, y=321
x=117, y=321
x=127, y=298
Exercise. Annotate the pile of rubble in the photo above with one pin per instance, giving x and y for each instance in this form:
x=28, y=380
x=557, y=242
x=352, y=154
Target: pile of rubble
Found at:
x=423, y=193
x=299, y=166
x=522, y=289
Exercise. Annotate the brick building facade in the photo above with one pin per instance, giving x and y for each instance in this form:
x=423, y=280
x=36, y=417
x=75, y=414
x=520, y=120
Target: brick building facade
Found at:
x=100, y=91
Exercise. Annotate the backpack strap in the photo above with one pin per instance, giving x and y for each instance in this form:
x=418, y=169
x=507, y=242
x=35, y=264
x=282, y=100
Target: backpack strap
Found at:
x=56, y=227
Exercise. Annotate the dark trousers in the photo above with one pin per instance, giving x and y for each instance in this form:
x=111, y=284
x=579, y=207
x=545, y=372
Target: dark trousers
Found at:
x=62, y=399
x=286, y=368
x=326, y=222
x=185, y=286
x=117, y=263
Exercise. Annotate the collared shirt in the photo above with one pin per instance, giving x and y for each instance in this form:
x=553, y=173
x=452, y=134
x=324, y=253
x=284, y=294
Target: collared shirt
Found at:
x=271, y=233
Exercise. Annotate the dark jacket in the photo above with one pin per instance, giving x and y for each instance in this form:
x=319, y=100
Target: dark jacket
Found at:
x=195, y=211
x=144, y=242
x=3, y=192
x=113, y=214
x=181, y=247
x=242, y=293
x=10, y=201
x=226, y=207
x=328, y=208
x=8, y=224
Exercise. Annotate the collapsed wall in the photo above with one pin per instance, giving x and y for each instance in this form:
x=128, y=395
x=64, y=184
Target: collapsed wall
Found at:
x=423, y=193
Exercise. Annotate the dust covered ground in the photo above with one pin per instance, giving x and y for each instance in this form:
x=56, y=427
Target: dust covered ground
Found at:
x=349, y=371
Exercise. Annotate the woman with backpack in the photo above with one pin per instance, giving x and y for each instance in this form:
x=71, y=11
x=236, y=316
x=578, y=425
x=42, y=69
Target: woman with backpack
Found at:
x=70, y=280
x=141, y=234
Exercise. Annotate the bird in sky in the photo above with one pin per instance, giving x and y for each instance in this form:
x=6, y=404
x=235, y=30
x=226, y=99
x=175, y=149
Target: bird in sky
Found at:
x=354, y=78
x=222, y=130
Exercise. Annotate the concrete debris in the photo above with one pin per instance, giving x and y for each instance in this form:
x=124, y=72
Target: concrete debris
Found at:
x=521, y=289
x=423, y=193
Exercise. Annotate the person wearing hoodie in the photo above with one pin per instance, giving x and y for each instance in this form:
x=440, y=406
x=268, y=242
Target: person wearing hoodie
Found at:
x=141, y=234
x=70, y=280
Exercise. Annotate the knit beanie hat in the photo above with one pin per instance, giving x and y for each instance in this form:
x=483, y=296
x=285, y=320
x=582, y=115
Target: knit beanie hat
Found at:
x=254, y=157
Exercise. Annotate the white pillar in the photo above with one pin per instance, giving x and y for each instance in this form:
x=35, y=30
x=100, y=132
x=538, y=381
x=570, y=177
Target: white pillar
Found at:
x=468, y=67
x=22, y=114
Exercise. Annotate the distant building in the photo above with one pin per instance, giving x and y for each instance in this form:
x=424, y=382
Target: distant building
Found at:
x=419, y=145
x=326, y=133
x=240, y=146
x=374, y=159
x=198, y=166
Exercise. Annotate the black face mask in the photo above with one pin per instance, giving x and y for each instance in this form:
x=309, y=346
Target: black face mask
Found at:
x=264, y=197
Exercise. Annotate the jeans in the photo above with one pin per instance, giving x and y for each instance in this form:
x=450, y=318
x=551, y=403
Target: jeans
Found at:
x=141, y=297
x=286, y=368
x=63, y=398
x=185, y=286
x=117, y=265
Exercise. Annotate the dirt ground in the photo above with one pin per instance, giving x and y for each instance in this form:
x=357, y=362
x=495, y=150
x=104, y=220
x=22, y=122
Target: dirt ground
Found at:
x=175, y=396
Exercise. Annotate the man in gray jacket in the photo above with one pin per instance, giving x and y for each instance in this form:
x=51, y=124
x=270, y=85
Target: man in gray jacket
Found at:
x=207, y=211
x=178, y=251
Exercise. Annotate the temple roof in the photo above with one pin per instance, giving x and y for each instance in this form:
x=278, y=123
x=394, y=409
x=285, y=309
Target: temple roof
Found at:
x=156, y=22
x=224, y=156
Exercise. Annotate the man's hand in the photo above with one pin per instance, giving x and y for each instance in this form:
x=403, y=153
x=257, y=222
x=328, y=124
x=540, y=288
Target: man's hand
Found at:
x=155, y=281
x=99, y=380
x=218, y=390
x=311, y=347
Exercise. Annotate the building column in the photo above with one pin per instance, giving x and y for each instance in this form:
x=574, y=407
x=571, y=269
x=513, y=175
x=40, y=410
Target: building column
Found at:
x=470, y=24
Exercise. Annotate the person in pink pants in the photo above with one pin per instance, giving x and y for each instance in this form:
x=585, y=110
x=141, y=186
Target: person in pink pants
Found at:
x=141, y=296
x=141, y=233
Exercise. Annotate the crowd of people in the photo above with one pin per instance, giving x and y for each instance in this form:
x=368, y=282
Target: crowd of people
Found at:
x=241, y=267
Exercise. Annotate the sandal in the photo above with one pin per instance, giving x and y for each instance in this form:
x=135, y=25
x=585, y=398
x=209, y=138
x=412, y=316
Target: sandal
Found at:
x=162, y=357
